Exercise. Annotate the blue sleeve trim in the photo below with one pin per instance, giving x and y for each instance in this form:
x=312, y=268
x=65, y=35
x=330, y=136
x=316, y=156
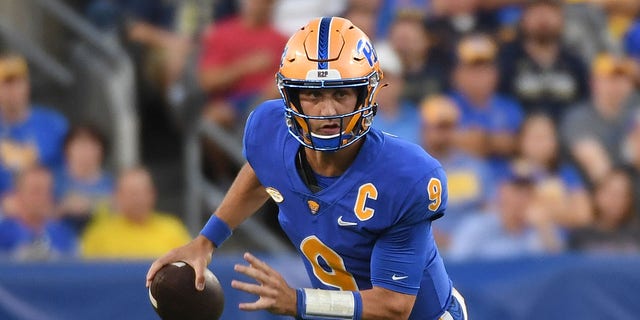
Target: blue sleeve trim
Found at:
x=300, y=303
x=357, y=308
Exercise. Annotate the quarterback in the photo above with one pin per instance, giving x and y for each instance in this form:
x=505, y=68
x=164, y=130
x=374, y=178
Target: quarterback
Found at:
x=357, y=203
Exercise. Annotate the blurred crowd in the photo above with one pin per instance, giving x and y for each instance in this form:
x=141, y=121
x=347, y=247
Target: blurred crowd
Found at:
x=531, y=106
x=57, y=199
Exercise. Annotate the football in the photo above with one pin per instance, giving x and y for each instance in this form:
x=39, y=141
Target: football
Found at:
x=174, y=296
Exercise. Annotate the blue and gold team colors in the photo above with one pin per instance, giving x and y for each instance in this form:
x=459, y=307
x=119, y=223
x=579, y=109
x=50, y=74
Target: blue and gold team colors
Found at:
x=369, y=227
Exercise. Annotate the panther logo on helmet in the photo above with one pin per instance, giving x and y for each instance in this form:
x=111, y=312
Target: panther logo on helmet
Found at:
x=329, y=52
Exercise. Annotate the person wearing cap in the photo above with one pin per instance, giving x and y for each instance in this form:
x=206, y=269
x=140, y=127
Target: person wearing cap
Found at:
x=537, y=68
x=470, y=180
x=29, y=134
x=396, y=115
x=488, y=121
x=593, y=130
x=516, y=227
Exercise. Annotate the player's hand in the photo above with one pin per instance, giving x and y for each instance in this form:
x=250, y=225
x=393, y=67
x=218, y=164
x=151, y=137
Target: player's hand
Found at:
x=275, y=294
x=196, y=253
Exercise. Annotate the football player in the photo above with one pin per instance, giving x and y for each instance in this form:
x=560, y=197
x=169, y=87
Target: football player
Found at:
x=357, y=203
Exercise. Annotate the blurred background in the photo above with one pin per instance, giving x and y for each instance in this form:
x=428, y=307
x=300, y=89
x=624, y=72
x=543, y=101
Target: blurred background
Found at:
x=121, y=124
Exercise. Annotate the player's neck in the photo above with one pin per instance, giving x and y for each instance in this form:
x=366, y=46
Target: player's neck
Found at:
x=332, y=164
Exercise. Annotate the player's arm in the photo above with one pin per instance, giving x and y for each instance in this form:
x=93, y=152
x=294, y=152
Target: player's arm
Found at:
x=243, y=199
x=245, y=196
x=401, y=253
x=397, y=266
x=276, y=296
x=381, y=303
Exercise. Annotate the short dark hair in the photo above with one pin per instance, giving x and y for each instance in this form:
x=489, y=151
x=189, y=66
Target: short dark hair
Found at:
x=88, y=130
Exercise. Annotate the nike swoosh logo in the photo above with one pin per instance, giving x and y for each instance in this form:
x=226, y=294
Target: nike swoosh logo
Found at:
x=396, y=277
x=345, y=223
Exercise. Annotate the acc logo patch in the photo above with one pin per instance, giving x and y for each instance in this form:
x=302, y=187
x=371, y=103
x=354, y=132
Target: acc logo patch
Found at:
x=275, y=194
x=313, y=206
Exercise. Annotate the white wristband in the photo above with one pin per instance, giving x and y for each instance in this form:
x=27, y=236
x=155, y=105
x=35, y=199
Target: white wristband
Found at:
x=329, y=304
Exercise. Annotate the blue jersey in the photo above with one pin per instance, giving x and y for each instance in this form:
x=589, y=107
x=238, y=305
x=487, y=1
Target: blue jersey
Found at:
x=500, y=115
x=44, y=129
x=56, y=237
x=632, y=41
x=369, y=227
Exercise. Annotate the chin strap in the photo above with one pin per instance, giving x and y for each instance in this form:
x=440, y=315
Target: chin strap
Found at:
x=305, y=171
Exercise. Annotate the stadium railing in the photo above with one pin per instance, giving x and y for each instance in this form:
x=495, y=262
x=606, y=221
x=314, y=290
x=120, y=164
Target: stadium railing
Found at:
x=95, y=74
x=202, y=194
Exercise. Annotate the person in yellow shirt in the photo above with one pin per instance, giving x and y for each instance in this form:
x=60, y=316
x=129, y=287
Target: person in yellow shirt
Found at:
x=134, y=230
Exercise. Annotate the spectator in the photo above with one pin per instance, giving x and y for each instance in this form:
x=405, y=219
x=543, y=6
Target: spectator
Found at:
x=107, y=15
x=469, y=179
x=631, y=157
x=134, y=230
x=409, y=38
x=448, y=21
x=396, y=116
x=632, y=47
x=290, y=15
x=83, y=183
x=29, y=134
x=585, y=29
x=632, y=41
x=593, y=130
x=616, y=228
x=385, y=11
x=565, y=196
x=489, y=121
x=32, y=233
x=364, y=14
x=537, y=69
x=518, y=227
x=620, y=14
x=239, y=58
x=149, y=26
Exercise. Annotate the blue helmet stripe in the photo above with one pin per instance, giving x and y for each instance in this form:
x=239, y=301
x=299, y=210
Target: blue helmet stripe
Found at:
x=323, y=43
